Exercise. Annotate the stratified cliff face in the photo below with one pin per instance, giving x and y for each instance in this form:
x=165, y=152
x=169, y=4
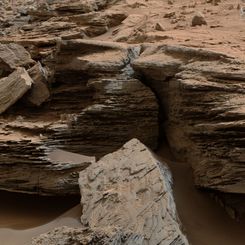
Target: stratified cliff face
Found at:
x=202, y=94
x=92, y=106
x=96, y=103
x=80, y=78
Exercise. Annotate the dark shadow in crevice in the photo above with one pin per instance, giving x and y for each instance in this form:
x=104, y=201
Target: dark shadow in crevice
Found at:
x=162, y=114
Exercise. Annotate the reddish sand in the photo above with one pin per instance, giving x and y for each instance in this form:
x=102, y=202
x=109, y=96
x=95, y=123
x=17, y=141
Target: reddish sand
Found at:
x=24, y=216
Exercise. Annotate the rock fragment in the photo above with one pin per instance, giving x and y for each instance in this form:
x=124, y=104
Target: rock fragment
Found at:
x=13, y=88
x=126, y=199
x=159, y=27
x=12, y=56
x=198, y=20
x=40, y=91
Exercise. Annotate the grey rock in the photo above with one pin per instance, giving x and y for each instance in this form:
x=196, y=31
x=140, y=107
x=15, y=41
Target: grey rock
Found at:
x=126, y=199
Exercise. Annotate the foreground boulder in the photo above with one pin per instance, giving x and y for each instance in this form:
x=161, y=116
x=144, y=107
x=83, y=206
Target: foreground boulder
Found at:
x=126, y=199
x=130, y=190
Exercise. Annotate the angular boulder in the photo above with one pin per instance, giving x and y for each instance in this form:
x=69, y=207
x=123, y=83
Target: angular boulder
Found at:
x=12, y=56
x=130, y=190
x=93, y=108
x=126, y=199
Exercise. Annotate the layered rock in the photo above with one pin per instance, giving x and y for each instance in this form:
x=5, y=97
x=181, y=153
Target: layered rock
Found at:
x=92, y=106
x=202, y=93
x=83, y=236
x=122, y=107
x=126, y=199
x=55, y=174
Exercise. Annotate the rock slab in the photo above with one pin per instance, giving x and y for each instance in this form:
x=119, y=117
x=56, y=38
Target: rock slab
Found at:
x=129, y=190
x=13, y=88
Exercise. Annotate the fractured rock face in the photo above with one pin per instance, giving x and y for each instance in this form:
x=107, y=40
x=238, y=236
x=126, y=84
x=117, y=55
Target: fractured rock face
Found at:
x=122, y=107
x=214, y=122
x=126, y=199
x=202, y=94
x=94, y=58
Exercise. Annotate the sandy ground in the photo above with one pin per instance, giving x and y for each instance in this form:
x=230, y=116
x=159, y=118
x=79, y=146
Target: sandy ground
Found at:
x=23, y=217
x=224, y=31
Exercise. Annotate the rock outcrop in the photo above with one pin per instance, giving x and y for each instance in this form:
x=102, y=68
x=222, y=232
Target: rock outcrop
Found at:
x=202, y=94
x=39, y=25
x=57, y=174
x=92, y=106
x=126, y=199
x=96, y=103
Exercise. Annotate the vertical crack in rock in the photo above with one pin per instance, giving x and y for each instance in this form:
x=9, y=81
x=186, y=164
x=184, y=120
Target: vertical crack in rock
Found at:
x=202, y=94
